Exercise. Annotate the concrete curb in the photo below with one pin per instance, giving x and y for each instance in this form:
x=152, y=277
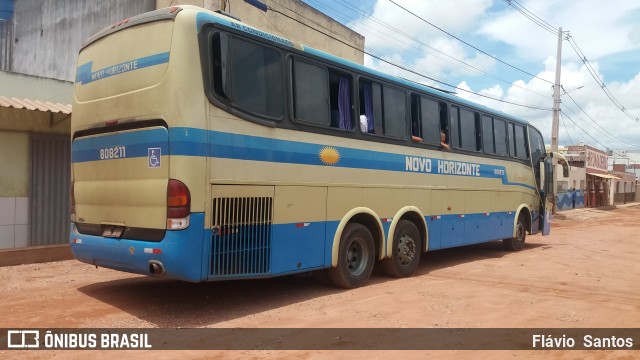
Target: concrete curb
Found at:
x=35, y=254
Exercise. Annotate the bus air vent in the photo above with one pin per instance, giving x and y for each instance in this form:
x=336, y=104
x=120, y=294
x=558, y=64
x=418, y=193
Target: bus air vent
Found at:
x=241, y=236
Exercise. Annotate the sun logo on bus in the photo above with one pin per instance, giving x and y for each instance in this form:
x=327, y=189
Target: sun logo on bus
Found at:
x=329, y=155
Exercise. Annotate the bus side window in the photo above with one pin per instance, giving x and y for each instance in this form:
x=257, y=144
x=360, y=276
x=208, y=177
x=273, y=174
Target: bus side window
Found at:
x=395, y=112
x=463, y=129
x=454, y=135
x=487, y=135
x=310, y=93
x=220, y=43
x=425, y=119
x=248, y=75
x=340, y=100
x=371, y=105
x=500, y=136
x=521, y=142
x=512, y=142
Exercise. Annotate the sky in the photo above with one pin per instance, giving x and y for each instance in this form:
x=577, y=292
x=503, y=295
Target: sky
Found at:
x=513, y=58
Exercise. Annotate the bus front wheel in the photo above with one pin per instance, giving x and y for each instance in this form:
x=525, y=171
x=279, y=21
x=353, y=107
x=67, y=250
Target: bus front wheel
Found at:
x=406, y=251
x=516, y=243
x=356, y=254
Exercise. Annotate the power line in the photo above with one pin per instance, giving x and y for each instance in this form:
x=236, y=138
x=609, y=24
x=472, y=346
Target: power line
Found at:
x=532, y=16
x=595, y=122
x=466, y=43
x=578, y=126
x=347, y=5
x=565, y=129
x=600, y=83
x=396, y=65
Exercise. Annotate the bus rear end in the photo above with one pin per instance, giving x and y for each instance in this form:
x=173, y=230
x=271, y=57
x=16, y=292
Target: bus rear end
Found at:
x=131, y=198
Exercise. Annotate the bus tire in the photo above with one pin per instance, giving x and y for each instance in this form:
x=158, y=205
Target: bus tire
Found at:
x=356, y=255
x=405, y=256
x=516, y=243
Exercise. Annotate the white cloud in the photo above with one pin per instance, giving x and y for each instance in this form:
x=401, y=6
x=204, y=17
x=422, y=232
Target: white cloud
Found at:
x=454, y=16
x=600, y=29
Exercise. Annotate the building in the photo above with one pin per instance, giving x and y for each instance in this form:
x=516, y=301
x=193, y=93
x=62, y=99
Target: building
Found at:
x=39, y=45
x=625, y=188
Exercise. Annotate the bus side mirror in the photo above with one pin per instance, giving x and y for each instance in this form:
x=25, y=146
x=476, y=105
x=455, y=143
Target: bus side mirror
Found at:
x=563, y=162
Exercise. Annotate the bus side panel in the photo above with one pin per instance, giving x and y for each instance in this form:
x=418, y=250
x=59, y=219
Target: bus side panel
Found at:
x=434, y=226
x=480, y=223
x=451, y=205
x=299, y=228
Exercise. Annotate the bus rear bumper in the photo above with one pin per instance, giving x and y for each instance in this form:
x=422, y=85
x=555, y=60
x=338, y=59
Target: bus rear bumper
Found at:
x=178, y=256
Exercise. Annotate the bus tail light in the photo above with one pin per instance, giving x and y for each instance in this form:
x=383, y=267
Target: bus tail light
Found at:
x=178, y=205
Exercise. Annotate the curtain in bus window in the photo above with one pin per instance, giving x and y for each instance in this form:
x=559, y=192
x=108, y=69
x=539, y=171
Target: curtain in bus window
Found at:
x=376, y=89
x=368, y=105
x=344, y=103
x=257, y=78
x=311, y=93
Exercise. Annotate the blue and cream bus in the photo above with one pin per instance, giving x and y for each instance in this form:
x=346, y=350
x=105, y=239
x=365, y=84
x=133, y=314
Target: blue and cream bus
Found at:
x=204, y=149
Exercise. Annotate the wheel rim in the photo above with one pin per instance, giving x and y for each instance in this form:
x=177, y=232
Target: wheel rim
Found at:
x=357, y=255
x=520, y=234
x=406, y=249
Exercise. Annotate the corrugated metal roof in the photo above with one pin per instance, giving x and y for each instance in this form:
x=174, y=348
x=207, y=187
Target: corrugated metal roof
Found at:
x=38, y=105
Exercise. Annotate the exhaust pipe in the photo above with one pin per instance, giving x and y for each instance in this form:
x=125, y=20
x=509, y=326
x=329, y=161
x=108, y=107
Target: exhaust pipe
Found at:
x=156, y=268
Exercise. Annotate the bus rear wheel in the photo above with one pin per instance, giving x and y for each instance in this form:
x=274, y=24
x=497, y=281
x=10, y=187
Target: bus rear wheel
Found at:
x=356, y=254
x=405, y=256
x=516, y=243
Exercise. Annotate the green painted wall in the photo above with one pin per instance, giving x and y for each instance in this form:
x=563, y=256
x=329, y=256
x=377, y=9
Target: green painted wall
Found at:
x=14, y=164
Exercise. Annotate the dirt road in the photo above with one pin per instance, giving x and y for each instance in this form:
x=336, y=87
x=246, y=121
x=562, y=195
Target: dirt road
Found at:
x=584, y=275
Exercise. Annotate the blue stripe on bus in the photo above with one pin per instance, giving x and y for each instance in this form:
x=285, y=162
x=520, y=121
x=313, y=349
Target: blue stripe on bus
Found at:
x=294, y=248
x=85, y=75
x=198, y=142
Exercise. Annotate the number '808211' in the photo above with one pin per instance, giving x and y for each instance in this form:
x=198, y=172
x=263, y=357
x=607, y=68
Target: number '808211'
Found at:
x=115, y=152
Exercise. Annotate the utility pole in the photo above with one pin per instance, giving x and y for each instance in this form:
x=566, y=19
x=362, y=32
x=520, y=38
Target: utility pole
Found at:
x=555, y=125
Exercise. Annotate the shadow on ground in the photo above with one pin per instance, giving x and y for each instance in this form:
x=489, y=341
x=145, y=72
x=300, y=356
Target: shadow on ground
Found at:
x=170, y=303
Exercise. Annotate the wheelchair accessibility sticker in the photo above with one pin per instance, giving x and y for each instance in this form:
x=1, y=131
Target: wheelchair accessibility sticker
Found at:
x=154, y=157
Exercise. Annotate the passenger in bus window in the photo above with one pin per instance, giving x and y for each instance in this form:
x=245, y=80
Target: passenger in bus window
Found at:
x=443, y=140
x=364, y=124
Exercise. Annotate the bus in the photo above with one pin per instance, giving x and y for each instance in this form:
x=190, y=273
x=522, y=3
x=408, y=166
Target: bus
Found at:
x=204, y=149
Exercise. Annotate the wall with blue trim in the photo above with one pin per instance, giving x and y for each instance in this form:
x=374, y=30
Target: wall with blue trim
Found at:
x=564, y=201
